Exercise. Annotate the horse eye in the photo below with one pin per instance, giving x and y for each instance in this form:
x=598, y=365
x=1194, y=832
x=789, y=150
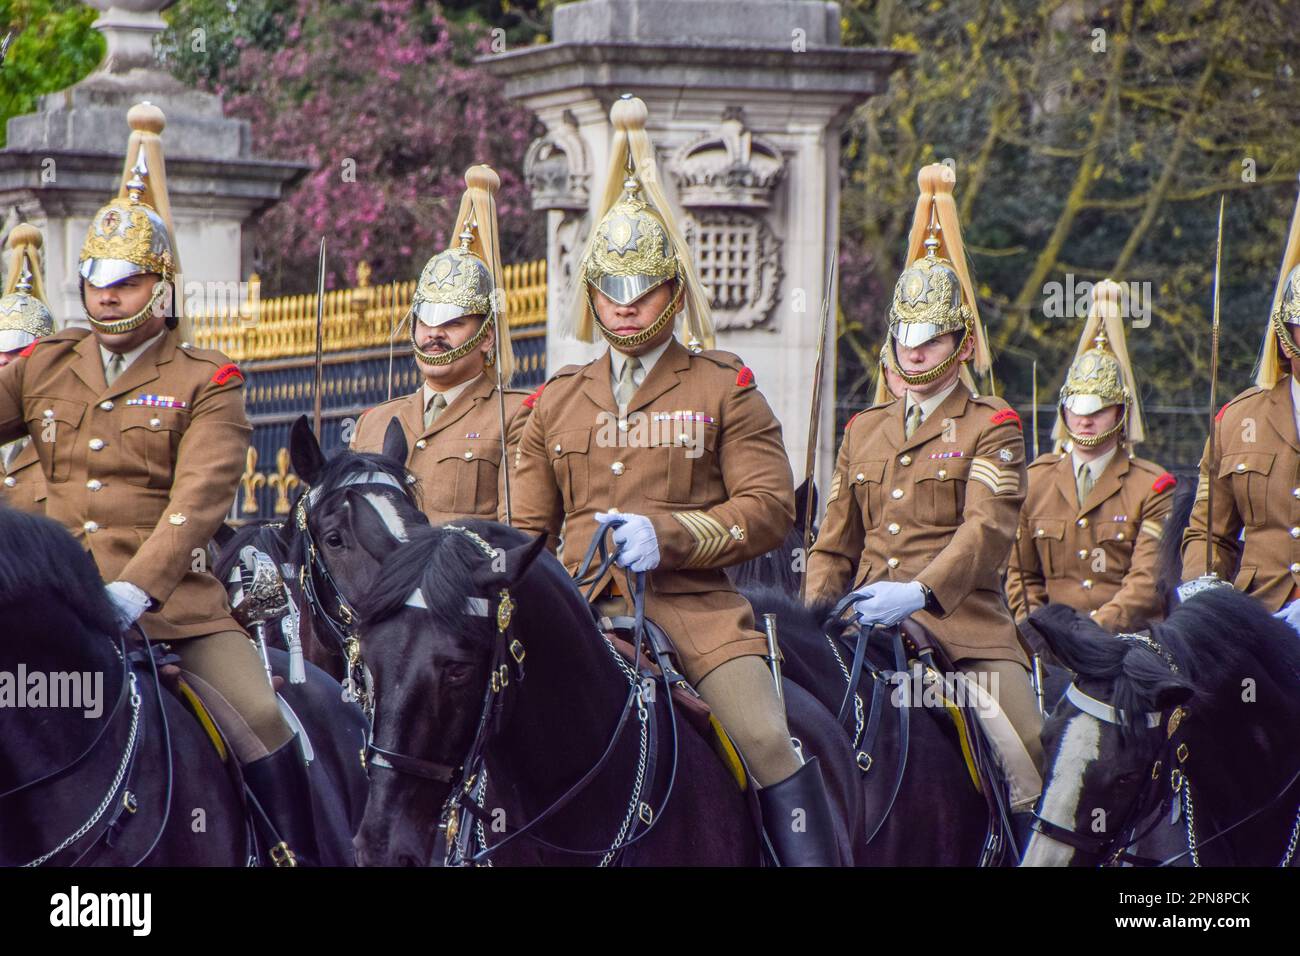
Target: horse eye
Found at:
x=457, y=673
x=334, y=539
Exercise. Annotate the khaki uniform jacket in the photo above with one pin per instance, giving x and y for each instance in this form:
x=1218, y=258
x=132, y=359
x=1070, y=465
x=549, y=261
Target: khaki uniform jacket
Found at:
x=1100, y=557
x=1256, y=523
x=23, y=487
x=702, y=458
x=458, y=459
x=142, y=487
x=939, y=508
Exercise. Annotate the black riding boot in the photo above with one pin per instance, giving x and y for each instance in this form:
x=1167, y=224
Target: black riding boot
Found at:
x=798, y=819
x=279, y=782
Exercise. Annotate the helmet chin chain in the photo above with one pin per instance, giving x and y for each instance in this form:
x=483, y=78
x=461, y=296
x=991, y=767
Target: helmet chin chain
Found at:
x=625, y=342
x=1092, y=441
x=1284, y=335
x=130, y=323
x=456, y=354
x=934, y=374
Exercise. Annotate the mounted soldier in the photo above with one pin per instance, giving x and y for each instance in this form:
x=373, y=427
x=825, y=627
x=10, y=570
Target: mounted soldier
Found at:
x=24, y=318
x=676, y=449
x=453, y=421
x=927, y=488
x=1253, y=462
x=142, y=440
x=1090, y=528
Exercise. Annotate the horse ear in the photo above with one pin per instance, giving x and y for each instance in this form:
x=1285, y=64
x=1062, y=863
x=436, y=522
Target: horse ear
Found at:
x=509, y=566
x=304, y=451
x=1172, y=694
x=801, y=503
x=395, y=442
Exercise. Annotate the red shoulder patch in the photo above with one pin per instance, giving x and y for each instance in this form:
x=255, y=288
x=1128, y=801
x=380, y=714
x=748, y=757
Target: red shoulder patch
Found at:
x=226, y=373
x=745, y=376
x=531, y=400
x=29, y=350
x=1007, y=415
x=1221, y=411
x=1164, y=483
x=849, y=423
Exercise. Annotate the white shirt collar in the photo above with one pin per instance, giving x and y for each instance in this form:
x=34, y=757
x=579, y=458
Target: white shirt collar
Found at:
x=129, y=357
x=928, y=405
x=450, y=394
x=1097, y=465
x=617, y=359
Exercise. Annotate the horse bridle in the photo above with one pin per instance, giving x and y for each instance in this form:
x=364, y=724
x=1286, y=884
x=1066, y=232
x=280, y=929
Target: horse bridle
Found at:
x=1175, y=752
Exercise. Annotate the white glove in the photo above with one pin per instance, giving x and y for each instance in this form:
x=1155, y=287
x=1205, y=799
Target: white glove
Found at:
x=888, y=602
x=1291, y=614
x=634, y=535
x=129, y=600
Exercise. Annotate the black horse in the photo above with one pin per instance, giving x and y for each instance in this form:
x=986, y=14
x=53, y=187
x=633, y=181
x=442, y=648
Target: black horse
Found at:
x=133, y=779
x=1198, y=724
x=592, y=766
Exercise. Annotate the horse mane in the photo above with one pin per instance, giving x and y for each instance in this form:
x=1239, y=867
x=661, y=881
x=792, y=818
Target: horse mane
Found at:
x=41, y=562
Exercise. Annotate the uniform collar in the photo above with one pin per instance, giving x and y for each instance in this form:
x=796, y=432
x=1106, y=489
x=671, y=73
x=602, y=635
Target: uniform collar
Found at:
x=450, y=394
x=617, y=359
x=129, y=357
x=928, y=405
x=1097, y=466
x=1295, y=402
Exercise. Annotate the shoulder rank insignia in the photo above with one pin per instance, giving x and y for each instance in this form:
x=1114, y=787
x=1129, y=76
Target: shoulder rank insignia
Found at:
x=1007, y=415
x=1000, y=481
x=1005, y=454
x=745, y=376
x=1166, y=481
x=226, y=373
x=531, y=400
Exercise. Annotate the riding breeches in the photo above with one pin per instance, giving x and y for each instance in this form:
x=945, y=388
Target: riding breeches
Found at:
x=230, y=664
x=1008, y=683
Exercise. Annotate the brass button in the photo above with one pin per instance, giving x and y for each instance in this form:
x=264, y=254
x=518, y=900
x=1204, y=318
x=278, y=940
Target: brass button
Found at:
x=96, y=444
x=1295, y=532
x=1038, y=532
x=557, y=449
x=1087, y=584
x=94, y=484
x=48, y=413
x=186, y=345
x=892, y=562
x=943, y=473
x=154, y=422
x=905, y=460
x=10, y=481
x=1119, y=536
x=617, y=468
x=1082, y=522
x=684, y=438
x=1083, y=554
x=896, y=493
x=1241, y=466
x=469, y=455
x=613, y=511
x=106, y=405
x=1295, y=568
x=893, y=528
x=859, y=477
x=421, y=443
x=90, y=527
x=1295, y=492
x=622, y=426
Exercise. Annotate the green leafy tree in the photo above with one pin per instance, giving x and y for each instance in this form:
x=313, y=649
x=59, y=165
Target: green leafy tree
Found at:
x=53, y=47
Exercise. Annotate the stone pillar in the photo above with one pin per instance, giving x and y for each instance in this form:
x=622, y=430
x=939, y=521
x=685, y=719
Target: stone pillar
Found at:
x=746, y=101
x=65, y=160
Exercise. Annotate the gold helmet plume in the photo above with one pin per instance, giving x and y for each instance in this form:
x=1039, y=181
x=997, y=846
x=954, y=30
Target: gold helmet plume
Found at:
x=24, y=314
x=1284, y=313
x=934, y=295
x=133, y=234
x=636, y=245
x=467, y=279
x=1101, y=374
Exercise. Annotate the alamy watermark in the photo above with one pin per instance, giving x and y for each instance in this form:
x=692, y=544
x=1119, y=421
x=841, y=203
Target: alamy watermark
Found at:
x=78, y=690
x=656, y=430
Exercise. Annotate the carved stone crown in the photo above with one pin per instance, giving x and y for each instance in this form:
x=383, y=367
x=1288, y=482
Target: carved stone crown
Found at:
x=730, y=168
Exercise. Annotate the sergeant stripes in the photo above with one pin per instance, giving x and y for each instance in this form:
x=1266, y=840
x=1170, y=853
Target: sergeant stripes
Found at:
x=1000, y=481
x=710, y=537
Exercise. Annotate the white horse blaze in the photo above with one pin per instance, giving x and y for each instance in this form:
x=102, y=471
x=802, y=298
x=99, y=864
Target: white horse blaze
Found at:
x=388, y=514
x=1080, y=747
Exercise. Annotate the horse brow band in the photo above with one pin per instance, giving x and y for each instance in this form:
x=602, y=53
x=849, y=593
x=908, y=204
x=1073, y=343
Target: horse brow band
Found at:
x=474, y=606
x=365, y=478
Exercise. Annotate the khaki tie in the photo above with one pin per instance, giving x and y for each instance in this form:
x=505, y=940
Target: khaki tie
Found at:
x=913, y=421
x=116, y=365
x=1084, y=482
x=434, y=409
x=626, y=383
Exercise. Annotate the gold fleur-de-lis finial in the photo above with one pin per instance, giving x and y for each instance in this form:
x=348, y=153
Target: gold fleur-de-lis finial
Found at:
x=283, y=481
x=251, y=481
